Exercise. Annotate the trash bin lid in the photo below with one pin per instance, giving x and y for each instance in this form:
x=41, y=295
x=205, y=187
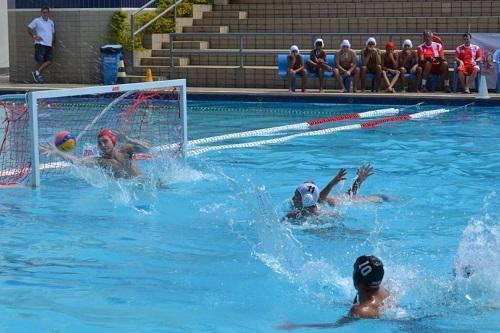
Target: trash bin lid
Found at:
x=111, y=48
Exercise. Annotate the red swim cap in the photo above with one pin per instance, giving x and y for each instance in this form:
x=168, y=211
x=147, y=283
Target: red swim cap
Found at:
x=390, y=45
x=110, y=135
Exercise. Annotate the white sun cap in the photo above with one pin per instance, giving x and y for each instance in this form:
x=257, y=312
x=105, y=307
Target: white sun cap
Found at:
x=319, y=40
x=294, y=48
x=407, y=42
x=345, y=43
x=371, y=40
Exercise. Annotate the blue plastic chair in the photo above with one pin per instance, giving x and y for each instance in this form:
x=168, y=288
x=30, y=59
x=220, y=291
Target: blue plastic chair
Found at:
x=455, y=77
x=282, y=66
x=496, y=60
x=410, y=76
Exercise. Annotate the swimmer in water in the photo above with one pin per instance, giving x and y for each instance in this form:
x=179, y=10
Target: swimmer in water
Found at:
x=116, y=160
x=368, y=272
x=367, y=278
x=307, y=196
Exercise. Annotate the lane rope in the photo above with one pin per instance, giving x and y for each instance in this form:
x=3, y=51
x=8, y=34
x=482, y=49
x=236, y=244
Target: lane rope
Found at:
x=297, y=127
x=373, y=123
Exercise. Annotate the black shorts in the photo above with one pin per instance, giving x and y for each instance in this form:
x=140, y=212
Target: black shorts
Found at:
x=43, y=53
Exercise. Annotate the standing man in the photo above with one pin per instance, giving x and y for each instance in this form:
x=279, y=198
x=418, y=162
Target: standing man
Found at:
x=43, y=33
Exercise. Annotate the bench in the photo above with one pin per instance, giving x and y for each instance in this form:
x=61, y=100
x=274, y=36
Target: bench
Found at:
x=283, y=67
x=432, y=80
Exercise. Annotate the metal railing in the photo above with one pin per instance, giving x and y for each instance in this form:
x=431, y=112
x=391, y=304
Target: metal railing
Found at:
x=134, y=32
x=242, y=51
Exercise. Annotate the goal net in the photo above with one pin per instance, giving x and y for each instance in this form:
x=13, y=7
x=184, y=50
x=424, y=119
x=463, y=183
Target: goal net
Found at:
x=154, y=112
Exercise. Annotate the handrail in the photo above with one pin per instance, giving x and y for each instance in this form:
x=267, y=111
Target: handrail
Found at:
x=242, y=51
x=156, y=17
x=133, y=32
x=140, y=9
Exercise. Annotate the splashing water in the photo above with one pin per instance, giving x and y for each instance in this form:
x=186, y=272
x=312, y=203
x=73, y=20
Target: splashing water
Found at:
x=477, y=264
x=278, y=249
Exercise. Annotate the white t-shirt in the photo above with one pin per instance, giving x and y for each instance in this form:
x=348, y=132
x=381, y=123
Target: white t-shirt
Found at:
x=43, y=29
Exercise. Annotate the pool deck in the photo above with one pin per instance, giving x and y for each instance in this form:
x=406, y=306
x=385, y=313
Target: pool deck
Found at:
x=283, y=95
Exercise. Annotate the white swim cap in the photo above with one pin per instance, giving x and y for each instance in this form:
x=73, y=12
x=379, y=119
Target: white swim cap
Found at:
x=294, y=48
x=319, y=40
x=371, y=40
x=309, y=193
x=407, y=42
x=345, y=43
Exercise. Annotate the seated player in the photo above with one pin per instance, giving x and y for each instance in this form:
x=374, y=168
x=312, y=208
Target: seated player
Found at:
x=307, y=196
x=408, y=62
x=117, y=161
x=468, y=57
x=296, y=65
x=371, y=62
x=318, y=63
x=431, y=60
x=390, y=67
x=346, y=66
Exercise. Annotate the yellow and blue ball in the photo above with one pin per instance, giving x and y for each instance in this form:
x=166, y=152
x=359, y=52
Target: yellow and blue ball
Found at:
x=65, y=141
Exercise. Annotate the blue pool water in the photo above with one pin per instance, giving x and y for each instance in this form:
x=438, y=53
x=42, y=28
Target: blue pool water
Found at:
x=89, y=254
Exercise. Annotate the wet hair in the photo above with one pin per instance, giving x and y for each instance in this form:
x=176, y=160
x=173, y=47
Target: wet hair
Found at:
x=368, y=271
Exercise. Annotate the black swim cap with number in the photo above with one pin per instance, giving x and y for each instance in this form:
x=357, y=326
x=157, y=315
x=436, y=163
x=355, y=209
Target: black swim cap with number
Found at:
x=368, y=271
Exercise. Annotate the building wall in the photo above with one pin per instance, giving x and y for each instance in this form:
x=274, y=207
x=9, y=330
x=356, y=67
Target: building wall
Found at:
x=4, y=35
x=79, y=33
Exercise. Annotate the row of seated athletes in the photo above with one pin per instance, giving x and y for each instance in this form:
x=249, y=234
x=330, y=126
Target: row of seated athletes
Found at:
x=394, y=68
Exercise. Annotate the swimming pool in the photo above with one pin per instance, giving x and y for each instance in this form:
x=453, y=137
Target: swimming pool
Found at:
x=87, y=254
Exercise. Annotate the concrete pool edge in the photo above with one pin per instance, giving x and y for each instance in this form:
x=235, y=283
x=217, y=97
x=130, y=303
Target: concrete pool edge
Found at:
x=281, y=95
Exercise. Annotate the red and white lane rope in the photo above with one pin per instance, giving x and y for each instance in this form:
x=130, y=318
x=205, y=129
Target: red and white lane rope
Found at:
x=295, y=127
x=373, y=123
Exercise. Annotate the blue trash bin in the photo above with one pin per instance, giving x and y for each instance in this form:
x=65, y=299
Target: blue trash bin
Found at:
x=110, y=57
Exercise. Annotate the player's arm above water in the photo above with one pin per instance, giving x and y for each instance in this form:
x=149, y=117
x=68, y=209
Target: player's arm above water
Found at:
x=49, y=150
x=133, y=145
x=339, y=323
x=364, y=172
x=323, y=196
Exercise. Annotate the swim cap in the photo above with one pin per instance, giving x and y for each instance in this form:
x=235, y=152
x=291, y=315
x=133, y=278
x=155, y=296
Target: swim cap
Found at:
x=110, y=135
x=319, y=40
x=371, y=40
x=368, y=271
x=309, y=193
x=294, y=48
x=390, y=45
x=407, y=42
x=345, y=43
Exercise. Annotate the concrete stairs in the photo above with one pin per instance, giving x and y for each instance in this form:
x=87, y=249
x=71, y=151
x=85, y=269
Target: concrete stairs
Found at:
x=393, y=19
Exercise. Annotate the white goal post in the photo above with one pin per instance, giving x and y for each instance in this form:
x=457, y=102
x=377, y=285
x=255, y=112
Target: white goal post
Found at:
x=153, y=111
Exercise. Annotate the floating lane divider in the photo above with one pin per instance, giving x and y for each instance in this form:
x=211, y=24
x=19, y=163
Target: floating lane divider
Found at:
x=373, y=123
x=296, y=127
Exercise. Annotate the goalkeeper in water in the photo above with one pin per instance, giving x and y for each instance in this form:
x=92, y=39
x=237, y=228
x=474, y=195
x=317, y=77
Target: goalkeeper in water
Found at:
x=117, y=160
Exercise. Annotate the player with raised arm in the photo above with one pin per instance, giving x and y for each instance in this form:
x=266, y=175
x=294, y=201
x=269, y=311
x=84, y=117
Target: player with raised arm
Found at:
x=117, y=160
x=307, y=196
